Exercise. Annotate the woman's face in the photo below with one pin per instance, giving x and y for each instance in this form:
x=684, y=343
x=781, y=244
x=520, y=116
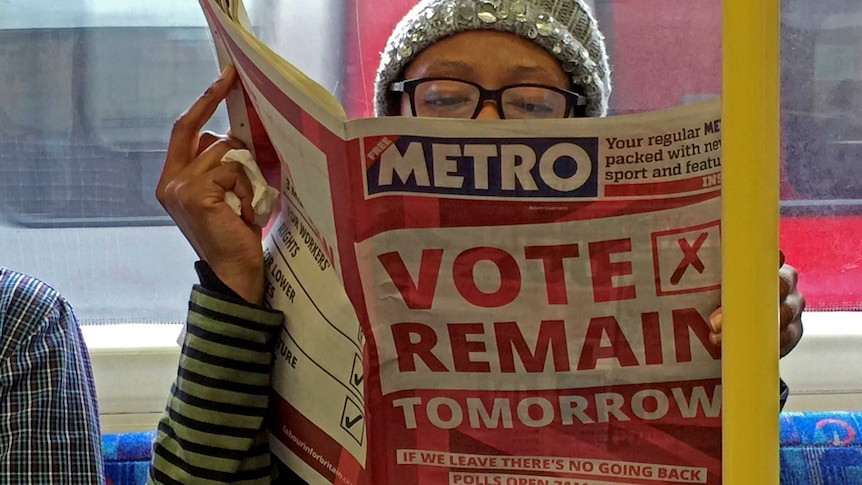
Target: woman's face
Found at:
x=489, y=58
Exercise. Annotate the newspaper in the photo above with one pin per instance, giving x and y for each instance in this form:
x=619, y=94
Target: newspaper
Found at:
x=486, y=303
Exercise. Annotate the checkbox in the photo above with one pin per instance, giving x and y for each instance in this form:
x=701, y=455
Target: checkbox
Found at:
x=357, y=376
x=353, y=420
x=687, y=260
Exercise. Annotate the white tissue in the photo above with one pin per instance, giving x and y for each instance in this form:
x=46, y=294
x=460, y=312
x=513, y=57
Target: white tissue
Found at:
x=264, y=197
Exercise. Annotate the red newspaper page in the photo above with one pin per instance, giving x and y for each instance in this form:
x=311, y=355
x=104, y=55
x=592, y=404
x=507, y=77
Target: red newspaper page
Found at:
x=537, y=305
x=490, y=302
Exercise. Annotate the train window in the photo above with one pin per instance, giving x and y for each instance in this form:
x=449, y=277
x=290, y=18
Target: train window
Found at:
x=90, y=91
x=86, y=105
x=822, y=145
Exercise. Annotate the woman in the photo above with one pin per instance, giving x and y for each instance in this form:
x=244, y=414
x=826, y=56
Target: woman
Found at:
x=453, y=58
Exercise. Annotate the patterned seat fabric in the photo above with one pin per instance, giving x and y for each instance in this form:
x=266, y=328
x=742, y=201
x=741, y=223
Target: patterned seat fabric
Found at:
x=822, y=448
x=127, y=457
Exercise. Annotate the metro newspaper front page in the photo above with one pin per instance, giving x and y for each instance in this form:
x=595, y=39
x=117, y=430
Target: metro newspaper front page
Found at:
x=486, y=303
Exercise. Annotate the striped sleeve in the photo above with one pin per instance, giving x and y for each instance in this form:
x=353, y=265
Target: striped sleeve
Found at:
x=212, y=430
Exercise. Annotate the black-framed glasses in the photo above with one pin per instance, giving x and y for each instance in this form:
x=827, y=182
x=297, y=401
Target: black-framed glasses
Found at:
x=441, y=97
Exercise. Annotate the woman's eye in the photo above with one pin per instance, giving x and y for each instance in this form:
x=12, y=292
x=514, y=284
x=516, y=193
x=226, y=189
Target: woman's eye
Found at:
x=444, y=100
x=531, y=107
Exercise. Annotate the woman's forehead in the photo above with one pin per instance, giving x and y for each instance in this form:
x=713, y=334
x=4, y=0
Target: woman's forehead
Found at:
x=479, y=55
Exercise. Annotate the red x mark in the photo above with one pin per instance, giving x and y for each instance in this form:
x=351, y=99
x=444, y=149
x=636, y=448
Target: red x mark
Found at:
x=690, y=257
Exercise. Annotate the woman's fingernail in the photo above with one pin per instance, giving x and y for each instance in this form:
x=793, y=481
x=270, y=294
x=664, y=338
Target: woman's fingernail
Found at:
x=225, y=72
x=715, y=321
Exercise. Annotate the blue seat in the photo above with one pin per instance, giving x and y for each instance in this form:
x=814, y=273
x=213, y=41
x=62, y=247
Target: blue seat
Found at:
x=127, y=457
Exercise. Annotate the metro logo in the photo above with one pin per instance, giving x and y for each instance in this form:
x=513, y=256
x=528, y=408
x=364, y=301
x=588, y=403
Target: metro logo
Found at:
x=510, y=168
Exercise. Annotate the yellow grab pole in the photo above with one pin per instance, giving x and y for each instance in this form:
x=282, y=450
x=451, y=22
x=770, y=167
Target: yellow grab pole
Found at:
x=750, y=126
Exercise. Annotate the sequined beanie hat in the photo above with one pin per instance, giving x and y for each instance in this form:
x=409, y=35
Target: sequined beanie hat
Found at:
x=565, y=28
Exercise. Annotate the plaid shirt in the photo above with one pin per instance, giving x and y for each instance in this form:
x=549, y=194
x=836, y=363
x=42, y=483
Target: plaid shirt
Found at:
x=49, y=428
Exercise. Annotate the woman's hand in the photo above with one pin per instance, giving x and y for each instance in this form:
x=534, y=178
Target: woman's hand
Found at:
x=192, y=188
x=792, y=303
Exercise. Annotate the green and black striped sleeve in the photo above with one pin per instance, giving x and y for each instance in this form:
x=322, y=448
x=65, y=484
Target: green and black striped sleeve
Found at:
x=212, y=430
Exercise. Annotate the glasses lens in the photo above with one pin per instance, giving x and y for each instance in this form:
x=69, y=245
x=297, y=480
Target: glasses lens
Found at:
x=445, y=99
x=526, y=102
